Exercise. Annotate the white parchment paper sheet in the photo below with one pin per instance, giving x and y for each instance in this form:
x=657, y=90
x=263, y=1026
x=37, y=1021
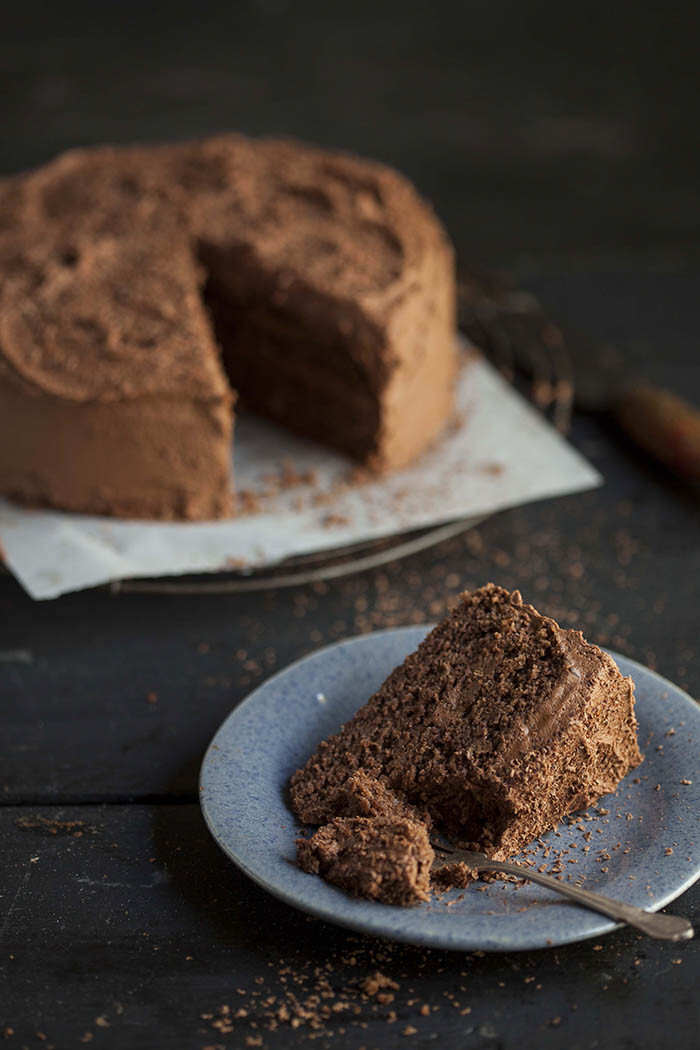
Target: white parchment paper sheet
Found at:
x=499, y=453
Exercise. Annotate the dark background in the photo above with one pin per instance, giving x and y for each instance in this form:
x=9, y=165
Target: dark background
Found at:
x=556, y=141
x=535, y=128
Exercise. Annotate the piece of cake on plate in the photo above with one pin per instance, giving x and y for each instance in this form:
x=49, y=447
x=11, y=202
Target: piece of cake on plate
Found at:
x=496, y=727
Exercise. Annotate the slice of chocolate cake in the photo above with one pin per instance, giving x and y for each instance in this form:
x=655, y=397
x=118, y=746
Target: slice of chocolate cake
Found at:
x=498, y=725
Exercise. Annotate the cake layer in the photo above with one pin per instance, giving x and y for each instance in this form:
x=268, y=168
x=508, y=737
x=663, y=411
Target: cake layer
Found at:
x=104, y=320
x=288, y=375
x=305, y=381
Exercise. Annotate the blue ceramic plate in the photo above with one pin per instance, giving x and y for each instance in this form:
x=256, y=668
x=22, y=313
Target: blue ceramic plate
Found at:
x=245, y=802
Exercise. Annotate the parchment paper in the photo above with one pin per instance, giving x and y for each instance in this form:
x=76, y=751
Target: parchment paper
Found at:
x=297, y=498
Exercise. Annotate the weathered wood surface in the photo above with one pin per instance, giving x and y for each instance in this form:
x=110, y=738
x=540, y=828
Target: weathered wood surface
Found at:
x=142, y=922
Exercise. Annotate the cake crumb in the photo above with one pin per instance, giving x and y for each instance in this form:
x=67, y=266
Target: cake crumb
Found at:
x=378, y=981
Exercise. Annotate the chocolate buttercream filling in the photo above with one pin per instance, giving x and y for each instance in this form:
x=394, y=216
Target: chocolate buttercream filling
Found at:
x=551, y=715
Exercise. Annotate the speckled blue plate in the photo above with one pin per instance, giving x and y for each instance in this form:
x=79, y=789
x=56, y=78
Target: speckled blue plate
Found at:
x=245, y=802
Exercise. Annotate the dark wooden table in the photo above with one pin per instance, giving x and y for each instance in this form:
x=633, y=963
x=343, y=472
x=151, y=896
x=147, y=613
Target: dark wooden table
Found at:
x=560, y=146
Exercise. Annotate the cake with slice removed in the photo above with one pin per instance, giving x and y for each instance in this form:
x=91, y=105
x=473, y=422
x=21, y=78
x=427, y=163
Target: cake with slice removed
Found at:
x=317, y=286
x=496, y=727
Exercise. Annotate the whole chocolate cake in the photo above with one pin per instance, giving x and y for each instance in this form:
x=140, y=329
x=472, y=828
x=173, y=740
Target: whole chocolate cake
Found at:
x=142, y=288
x=495, y=728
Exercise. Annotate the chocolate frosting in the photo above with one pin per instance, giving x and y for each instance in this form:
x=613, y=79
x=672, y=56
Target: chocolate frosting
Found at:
x=352, y=231
x=105, y=320
x=577, y=664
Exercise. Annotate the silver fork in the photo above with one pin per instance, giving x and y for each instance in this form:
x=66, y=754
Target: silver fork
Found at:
x=655, y=924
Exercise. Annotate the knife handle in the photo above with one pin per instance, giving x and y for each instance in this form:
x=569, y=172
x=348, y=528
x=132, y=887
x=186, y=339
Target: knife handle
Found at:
x=664, y=425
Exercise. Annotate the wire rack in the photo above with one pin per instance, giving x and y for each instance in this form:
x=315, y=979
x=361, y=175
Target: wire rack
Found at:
x=529, y=350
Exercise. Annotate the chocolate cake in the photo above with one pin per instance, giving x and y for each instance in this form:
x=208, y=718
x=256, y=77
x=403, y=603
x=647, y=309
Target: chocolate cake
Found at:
x=142, y=288
x=497, y=726
x=379, y=858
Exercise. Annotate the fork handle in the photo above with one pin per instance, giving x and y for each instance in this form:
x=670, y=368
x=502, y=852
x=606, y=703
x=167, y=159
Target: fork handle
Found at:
x=664, y=425
x=655, y=924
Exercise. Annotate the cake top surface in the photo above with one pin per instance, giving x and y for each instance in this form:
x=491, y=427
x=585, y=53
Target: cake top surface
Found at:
x=352, y=231
x=103, y=319
x=278, y=191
